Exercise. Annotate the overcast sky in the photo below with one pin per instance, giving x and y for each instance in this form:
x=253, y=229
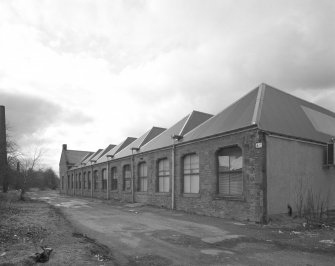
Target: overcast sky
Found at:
x=90, y=73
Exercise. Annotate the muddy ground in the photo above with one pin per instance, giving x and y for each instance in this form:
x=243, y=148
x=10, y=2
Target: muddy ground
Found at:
x=85, y=231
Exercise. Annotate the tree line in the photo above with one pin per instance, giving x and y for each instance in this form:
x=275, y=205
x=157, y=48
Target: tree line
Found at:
x=24, y=171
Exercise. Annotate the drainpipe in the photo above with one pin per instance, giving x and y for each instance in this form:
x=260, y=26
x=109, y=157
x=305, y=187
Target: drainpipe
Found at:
x=174, y=139
x=132, y=173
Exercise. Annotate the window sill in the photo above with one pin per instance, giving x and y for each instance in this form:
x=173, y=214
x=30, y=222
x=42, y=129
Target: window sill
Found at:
x=162, y=193
x=142, y=192
x=191, y=195
x=229, y=198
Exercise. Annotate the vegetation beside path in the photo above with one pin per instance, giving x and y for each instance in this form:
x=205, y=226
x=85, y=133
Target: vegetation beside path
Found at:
x=27, y=225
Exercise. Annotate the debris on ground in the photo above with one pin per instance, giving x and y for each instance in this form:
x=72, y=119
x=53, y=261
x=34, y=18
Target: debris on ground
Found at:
x=43, y=256
x=280, y=232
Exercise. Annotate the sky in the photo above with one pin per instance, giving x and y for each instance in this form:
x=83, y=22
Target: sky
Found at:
x=89, y=73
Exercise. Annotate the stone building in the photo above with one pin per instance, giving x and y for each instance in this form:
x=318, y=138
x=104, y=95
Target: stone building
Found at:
x=262, y=153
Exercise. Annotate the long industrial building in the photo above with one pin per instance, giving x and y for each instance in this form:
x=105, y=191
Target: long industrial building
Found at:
x=252, y=160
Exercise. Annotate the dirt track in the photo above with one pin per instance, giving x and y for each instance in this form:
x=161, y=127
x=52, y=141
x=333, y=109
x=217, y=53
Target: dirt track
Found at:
x=142, y=235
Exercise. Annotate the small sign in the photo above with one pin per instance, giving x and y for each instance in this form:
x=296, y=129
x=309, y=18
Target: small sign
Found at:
x=259, y=145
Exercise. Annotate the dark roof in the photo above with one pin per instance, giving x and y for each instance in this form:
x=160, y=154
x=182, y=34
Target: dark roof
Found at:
x=116, y=149
x=237, y=115
x=88, y=159
x=180, y=128
x=288, y=115
x=145, y=138
x=73, y=156
x=271, y=110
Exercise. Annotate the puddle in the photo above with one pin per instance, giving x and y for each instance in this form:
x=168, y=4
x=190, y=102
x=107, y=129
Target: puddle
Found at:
x=212, y=240
x=216, y=252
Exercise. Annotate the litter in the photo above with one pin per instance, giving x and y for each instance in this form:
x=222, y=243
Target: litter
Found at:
x=280, y=232
x=296, y=233
x=3, y=254
x=43, y=256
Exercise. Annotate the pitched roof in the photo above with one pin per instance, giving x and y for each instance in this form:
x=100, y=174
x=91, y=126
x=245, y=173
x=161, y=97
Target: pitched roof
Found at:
x=145, y=138
x=271, y=110
x=237, y=115
x=89, y=158
x=116, y=149
x=282, y=113
x=73, y=156
x=183, y=126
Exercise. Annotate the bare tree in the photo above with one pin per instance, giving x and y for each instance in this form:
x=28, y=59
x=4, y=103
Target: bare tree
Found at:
x=28, y=166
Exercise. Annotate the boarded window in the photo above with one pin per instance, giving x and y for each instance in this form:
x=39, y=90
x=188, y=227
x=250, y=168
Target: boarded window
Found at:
x=191, y=173
x=163, y=176
x=143, y=177
x=114, y=178
x=230, y=171
x=126, y=178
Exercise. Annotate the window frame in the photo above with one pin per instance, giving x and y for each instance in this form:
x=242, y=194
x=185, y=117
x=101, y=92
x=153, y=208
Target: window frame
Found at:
x=126, y=178
x=162, y=175
x=114, y=179
x=104, y=179
x=194, y=172
x=239, y=171
x=95, y=180
x=142, y=178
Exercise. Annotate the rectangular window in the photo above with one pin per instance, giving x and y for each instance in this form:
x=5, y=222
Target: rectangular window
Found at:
x=230, y=181
x=114, y=178
x=104, y=179
x=191, y=173
x=143, y=177
x=89, y=180
x=95, y=178
x=126, y=177
x=163, y=176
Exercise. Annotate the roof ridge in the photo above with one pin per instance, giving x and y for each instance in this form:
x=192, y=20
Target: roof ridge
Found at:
x=258, y=105
x=188, y=118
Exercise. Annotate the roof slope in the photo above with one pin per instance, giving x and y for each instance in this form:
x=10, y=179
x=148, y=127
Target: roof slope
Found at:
x=180, y=128
x=288, y=115
x=236, y=116
x=145, y=138
x=116, y=149
x=88, y=159
x=73, y=156
x=274, y=111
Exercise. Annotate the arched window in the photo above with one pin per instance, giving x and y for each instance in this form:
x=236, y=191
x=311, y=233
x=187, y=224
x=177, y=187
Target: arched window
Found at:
x=79, y=181
x=114, y=178
x=191, y=173
x=84, y=180
x=95, y=179
x=68, y=181
x=163, y=175
x=142, y=177
x=126, y=177
x=72, y=177
x=230, y=180
x=89, y=180
x=104, y=179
